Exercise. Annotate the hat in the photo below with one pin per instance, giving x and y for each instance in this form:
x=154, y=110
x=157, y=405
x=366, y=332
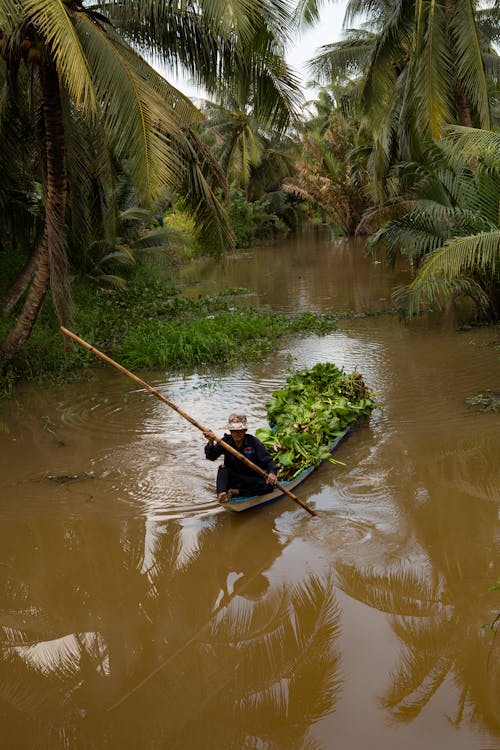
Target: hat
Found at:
x=237, y=422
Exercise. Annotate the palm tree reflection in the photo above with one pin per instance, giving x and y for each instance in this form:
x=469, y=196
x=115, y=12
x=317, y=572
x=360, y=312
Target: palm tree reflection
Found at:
x=439, y=628
x=198, y=649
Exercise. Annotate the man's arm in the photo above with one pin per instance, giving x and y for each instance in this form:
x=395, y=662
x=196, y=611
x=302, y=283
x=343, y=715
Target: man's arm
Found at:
x=212, y=449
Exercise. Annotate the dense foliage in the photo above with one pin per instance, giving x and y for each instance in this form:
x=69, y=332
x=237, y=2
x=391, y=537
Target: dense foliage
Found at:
x=82, y=111
x=450, y=227
x=97, y=144
x=419, y=67
x=313, y=408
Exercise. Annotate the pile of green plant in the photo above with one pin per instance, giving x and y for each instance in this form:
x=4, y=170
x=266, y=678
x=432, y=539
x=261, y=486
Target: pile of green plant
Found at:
x=314, y=407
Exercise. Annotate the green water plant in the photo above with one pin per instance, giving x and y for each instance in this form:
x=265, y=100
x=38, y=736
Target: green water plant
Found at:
x=223, y=338
x=313, y=408
x=488, y=400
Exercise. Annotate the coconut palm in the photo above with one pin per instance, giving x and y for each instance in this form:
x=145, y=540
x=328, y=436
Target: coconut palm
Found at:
x=451, y=228
x=236, y=53
x=254, y=155
x=81, y=72
x=237, y=137
x=422, y=67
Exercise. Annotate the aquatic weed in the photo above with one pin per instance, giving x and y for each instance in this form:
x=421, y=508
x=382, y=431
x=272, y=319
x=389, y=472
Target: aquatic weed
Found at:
x=313, y=408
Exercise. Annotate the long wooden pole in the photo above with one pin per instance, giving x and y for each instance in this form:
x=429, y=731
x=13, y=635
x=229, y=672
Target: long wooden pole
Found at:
x=165, y=400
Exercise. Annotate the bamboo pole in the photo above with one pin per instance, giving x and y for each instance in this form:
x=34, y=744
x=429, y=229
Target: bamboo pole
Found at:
x=180, y=411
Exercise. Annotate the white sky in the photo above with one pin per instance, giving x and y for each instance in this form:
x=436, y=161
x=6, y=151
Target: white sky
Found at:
x=329, y=29
x=326, y=31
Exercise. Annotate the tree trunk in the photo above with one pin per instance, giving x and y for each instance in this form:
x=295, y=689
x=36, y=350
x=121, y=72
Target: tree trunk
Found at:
x=463, y=110
x=464, y=116
x=20, y=284
x=51, y=266
x=17, y=336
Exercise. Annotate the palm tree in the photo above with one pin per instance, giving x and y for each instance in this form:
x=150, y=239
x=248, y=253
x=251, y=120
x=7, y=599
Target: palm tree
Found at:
x=236, y=136
x=328, y=177
x=80, y=68
x=422, y=66
x=254, y=155
x=236, y=53
x=450, y=228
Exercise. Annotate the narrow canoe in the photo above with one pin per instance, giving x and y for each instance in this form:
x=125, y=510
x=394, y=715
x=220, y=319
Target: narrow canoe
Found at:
x=238, y=504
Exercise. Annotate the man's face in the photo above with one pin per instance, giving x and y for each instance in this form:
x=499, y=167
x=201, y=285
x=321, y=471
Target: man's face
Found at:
x=238, y=436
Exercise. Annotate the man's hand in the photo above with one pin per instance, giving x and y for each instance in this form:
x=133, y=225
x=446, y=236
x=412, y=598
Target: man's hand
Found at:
x=210, y=436
x=272, y=479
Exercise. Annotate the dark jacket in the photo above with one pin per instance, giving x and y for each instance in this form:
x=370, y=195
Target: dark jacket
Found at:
x=252, y=449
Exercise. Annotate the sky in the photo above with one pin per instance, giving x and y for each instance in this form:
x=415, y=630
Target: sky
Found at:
x=327, y=30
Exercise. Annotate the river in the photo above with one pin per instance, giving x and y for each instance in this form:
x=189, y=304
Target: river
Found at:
x=137, y=613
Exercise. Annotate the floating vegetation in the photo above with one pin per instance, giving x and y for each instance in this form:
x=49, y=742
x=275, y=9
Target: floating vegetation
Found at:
x=486, y=401
x=313, y=408
x=226, y=337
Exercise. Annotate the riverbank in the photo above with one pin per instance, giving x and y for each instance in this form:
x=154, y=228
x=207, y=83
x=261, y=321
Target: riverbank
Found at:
x=151, y=325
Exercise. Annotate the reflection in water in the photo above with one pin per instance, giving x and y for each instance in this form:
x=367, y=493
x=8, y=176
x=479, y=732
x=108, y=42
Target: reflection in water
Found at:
x=135, y=613
x=433, y=618
x=98, y=650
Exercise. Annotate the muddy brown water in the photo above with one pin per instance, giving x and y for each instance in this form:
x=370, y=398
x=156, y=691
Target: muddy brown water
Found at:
x=136, y=613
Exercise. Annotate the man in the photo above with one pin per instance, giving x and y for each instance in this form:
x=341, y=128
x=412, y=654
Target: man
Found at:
x=235, y=477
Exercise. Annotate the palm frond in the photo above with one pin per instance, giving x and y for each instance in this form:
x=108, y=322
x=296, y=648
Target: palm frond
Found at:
x=200, y=177
x=307, y=12
x=391, y=44
x=400, y=591
x=468, y=61
x=474, y=143
x=461, y=255
x=54, y=23
x=349, y=57
x=140, y=122
x=10, y=14
x=433, y=69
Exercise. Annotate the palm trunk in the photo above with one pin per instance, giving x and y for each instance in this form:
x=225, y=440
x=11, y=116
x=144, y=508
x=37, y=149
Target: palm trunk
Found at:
x=20, y=284
x=17, y=336
x=51, y=255
x=464, y=116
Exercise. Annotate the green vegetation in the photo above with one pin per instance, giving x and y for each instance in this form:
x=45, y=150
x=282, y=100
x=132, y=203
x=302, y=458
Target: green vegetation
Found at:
x=98, y=146
x=397, y=86
x=327, y=174
x=90, y=129
x=485, y=401
x=269, y=217
x=309, y=412
x=148, y=325
x=449, y=227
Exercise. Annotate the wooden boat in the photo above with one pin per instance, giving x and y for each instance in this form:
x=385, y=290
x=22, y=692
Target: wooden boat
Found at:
x=238, y=504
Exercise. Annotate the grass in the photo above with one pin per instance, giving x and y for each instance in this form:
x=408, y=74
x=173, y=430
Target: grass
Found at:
x=224, y=338
x=151, y=326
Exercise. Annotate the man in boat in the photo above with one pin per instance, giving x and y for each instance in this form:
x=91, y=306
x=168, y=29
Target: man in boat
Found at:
x=235, y=477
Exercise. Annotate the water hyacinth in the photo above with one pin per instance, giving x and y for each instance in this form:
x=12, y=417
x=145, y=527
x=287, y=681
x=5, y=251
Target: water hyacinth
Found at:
x=314, y=407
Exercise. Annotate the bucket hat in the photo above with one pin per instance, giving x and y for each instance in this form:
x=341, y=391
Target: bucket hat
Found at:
x=237, y=422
